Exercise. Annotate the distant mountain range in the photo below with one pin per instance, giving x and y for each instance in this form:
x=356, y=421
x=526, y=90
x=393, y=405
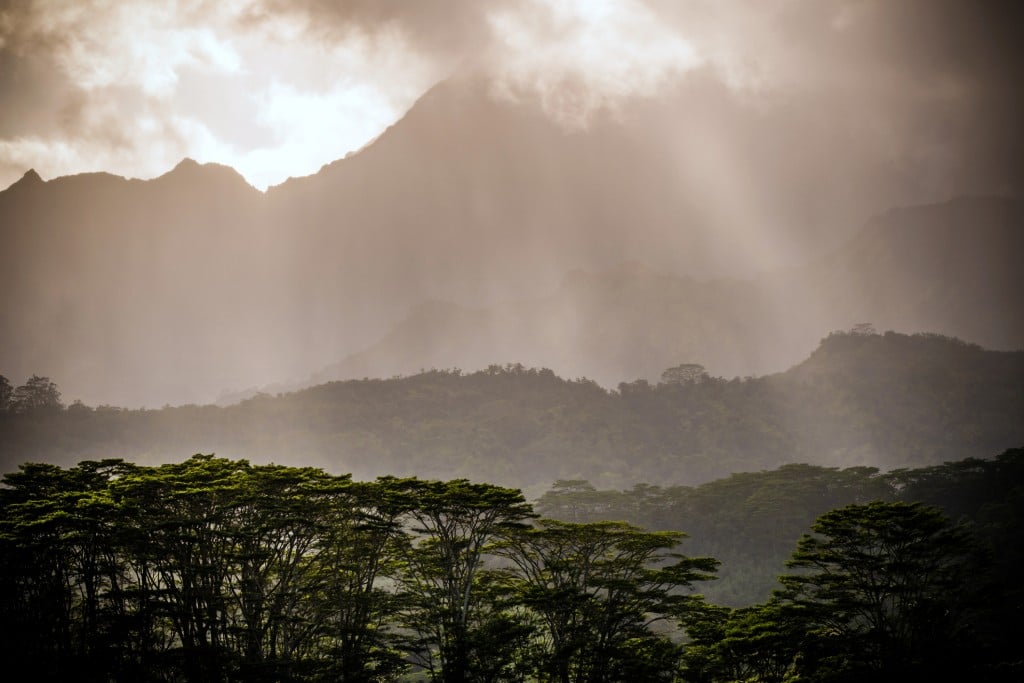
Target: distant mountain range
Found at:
x=447, y=242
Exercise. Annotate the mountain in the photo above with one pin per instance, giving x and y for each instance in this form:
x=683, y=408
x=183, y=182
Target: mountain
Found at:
x=128, y=289
x=947, y=267
x=176, y=289
x=883, y=400
x=611, y=326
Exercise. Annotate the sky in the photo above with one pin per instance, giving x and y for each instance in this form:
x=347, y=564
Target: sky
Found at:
x=278, y=88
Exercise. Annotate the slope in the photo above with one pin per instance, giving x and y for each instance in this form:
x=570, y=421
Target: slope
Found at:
x=887, y=401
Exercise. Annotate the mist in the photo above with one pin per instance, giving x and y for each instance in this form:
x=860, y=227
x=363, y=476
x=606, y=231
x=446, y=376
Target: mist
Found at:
x=605, y=189
x=337, y=336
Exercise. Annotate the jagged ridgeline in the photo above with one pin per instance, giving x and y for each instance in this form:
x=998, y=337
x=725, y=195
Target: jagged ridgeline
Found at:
x=881, y=400
x=216, y=569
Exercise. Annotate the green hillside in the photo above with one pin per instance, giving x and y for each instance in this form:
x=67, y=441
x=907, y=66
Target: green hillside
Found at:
x=861, y=399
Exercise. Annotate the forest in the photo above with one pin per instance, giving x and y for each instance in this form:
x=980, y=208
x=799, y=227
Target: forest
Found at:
x=213, y=569
x=861, y=399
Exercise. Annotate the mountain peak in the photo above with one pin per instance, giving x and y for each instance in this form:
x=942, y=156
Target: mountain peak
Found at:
x=186, y=164
x=30, y=179
x=188, y=169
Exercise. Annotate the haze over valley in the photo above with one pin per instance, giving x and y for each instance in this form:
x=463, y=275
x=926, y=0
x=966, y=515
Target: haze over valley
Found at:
x=519, y=341
x=474, y=231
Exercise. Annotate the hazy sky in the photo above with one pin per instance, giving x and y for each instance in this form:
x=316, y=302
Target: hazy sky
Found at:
x=277, y=88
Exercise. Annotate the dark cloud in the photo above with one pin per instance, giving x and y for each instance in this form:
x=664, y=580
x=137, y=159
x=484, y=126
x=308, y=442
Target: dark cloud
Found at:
x=929, y=86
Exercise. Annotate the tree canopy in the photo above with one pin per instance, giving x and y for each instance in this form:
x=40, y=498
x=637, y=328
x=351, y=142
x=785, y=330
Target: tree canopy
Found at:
x=881, y=400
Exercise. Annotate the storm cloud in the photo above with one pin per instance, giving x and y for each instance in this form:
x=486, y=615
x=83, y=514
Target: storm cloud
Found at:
x=277, y=89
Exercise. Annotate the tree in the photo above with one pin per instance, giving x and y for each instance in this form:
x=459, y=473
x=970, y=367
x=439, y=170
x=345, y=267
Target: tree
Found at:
x=687, y=373
x=358, y=547
x=574, y=500
x=177, y=523
x=5, y=394
x=884, y=589
x=210, y=569
x=758, y=643
x=453, y=523
x=863, y=330
x=597, y=588
x=277, y=518
x=59, y=572
x=38, y=393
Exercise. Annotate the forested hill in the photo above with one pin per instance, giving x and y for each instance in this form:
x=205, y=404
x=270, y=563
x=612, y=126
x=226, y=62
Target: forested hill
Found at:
x=751, y=521
x=884, y=400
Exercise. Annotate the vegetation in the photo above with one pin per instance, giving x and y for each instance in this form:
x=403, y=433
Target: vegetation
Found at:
x=217, y=569
x=862, y=399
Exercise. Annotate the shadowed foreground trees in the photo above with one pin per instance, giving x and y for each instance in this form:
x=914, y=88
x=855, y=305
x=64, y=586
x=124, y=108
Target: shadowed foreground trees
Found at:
x=453, y=523
x=880, y=592
x=596, y=590
x=219, y=570
x=887, y=592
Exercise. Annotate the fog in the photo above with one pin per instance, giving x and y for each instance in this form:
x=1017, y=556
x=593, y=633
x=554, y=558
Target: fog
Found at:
x=607, y=189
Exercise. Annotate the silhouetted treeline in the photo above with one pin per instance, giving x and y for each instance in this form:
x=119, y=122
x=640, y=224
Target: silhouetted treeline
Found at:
x=36, y=394
x=219, y=570
x=214, y=570
x=883, y=400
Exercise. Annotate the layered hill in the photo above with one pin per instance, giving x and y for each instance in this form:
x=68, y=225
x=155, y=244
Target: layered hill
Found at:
x=947, y=267
x=884, y=400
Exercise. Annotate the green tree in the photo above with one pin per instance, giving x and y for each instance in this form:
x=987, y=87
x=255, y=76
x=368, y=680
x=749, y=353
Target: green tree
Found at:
x=179, y=520
x=61, y=573
x=37, y=393
x=758, y=643
x=597, y=589
x=453, y=522
x=5, y=394
x=277, y=518
x=687, y=373
x=885, y=591
x=352, y=609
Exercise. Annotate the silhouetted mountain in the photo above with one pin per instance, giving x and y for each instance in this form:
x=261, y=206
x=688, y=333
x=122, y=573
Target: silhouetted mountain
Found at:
x=887, y=400
x=133, y=289
x=31, y=179
x=176, y=289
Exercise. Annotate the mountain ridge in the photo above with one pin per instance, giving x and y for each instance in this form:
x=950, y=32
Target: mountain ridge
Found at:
x=861, y=399
x=176, y=289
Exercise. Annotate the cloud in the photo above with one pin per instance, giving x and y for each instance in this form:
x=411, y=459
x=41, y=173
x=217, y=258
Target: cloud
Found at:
x=442, y=30
x=581, y=57
x=134, y=87
x=279, y=87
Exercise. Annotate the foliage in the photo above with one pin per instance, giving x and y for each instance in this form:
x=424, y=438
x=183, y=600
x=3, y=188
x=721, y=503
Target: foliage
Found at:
x=595, y=590
x=5, y=394
x=219, y=570
x=687, y=373
x=453, y=522
x=36, y=394
x=873, y=400
x=885, y=588
x=210, y=569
